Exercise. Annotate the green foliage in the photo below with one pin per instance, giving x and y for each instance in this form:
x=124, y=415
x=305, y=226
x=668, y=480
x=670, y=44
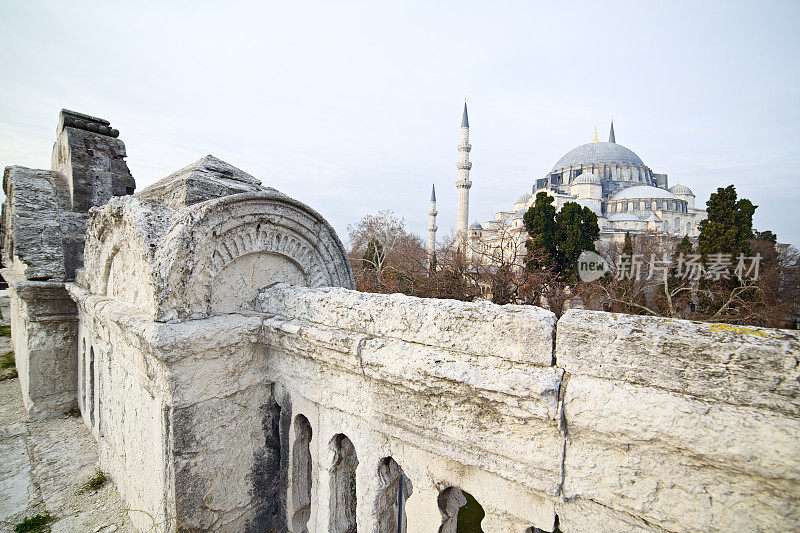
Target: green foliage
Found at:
x=540, y=222
x=95, y=482
x=729, y=226
x=765, y=236
x=36, y=524
x=576, y=231
x=8, y=370
x=5, y=331
x=627, y=248
x=557, y=240
x=7, y=360
x=684, y=247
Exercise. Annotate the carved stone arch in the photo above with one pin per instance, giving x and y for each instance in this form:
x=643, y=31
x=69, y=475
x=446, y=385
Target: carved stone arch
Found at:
x=268, y=231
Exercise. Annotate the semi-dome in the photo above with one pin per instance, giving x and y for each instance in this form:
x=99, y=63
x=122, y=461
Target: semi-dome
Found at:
x=681, y=189
x=642, y=192
x=519, y=214
x=586, y=177
x=598, y=153
x=524, y=198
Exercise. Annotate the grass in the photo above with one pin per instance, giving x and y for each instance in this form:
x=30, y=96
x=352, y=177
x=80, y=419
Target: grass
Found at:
x=36, y=524
x=8, y=369
x=5, y=331
x=7, y=360
x=95, y=482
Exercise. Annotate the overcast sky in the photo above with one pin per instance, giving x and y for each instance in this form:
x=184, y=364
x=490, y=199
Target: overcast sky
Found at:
x=355, y=107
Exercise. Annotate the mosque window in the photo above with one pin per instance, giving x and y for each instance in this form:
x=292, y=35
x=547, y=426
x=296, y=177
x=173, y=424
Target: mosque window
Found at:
x=630, y=206
x=677, y=225
x=688, y=228
x=653, y=205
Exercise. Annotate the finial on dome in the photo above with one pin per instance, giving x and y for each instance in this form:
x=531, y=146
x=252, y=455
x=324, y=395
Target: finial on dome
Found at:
x=595, y=135
x=611, y=137
x=433, y=193
x=465, y=118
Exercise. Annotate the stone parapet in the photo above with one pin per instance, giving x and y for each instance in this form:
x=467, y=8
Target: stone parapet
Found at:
x=678, y=426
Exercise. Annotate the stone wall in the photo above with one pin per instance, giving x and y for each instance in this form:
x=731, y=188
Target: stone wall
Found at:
x=43, y=227
x=679, y=425
x=234, y=382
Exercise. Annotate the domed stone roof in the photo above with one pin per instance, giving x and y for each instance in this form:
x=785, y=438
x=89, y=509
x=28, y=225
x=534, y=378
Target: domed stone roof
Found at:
x=524, y=198
x=598, y=153
x=681, y=189
x=638, y=192
x=475, y=225
x=586, y=177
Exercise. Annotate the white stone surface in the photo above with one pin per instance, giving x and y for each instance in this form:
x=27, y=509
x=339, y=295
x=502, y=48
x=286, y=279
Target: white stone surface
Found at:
x=514, y=332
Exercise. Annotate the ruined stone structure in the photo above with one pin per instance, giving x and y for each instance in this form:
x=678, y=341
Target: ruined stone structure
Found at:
x=234, y=381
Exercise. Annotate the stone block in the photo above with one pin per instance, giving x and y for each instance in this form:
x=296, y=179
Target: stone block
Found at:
x=516, y=333
x=745, y=366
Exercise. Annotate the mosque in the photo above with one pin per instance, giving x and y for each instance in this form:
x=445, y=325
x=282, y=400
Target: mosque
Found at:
x=606, y=177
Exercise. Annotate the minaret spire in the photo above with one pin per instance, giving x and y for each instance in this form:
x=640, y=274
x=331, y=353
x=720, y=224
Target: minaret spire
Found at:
x=432, y=232
x=463, y=184
x=611, y=137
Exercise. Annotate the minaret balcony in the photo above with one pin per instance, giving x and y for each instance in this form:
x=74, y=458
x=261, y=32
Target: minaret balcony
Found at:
x=464, y=147
x=464, y=165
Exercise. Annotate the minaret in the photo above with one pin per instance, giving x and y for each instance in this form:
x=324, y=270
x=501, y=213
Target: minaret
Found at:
x=611, y=137
x=432, y=231
x=463, y=184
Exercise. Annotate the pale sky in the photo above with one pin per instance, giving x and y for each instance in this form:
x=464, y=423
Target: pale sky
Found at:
x=354, y=107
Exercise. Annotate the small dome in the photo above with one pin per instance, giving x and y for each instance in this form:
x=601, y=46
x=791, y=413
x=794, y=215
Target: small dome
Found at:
x=475, y=225
x=524, y=198
x=642, y=192
x=681, y=189
x=586, y=177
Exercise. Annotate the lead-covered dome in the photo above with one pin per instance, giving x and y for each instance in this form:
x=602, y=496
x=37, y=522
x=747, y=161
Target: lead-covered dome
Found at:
x=586, y=177
x=598, y=153
x=681, y=189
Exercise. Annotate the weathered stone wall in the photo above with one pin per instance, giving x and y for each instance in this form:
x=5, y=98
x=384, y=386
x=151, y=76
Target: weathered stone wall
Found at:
x=235, y=383
x=43, y=226
x=678, y=425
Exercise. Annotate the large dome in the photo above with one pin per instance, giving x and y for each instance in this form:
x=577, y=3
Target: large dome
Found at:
x=598, y=153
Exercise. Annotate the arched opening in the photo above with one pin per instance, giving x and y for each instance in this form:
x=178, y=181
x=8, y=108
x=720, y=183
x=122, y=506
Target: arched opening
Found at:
x=90, y=396
x=301, y=475
x=461, y=512
x=390, y=505
x=343, y=486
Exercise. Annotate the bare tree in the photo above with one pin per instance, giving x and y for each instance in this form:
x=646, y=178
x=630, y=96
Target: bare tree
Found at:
x=383, y=254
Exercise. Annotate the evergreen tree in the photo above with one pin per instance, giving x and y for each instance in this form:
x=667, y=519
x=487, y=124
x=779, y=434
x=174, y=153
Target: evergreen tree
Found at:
x=684, y=247
x=765, y=236
x=627, y=248
x=557, y=240
x=576, y=231
x=729, y=226
x=540, y=222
